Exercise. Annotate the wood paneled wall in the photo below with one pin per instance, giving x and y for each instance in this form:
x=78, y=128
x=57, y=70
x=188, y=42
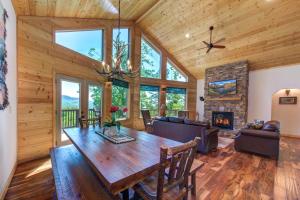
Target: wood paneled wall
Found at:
x=39, y=60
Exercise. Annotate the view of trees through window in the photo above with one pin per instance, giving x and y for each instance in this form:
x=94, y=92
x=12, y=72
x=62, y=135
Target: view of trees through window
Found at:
x=149, y=99
x=90, y=43
x=150, y=61
x=174, y=74
x=95, y=100
x=120, y=99
x=175, y=100
x=123, y=40
x=85, y=42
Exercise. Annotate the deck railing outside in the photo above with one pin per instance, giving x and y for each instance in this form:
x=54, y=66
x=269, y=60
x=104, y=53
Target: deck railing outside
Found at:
x=70, y=117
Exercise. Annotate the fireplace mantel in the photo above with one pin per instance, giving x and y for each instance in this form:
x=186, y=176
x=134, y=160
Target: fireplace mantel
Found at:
x=224, y=98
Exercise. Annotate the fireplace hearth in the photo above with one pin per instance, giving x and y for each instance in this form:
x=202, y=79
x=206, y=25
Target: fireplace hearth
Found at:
x=223, y=120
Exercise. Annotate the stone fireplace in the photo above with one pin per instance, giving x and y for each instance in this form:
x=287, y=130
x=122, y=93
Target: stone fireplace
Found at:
x=236, y=104
x=223, y=120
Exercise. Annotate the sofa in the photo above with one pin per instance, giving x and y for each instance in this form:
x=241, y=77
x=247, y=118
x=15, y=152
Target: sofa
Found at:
x=184, y=130
x=264, y=141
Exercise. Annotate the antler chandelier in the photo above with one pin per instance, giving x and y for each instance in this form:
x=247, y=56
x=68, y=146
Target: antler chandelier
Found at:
x=115, y=71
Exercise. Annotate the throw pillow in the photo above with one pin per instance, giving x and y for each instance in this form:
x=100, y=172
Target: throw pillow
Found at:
x=165, y=119
x=269, y=126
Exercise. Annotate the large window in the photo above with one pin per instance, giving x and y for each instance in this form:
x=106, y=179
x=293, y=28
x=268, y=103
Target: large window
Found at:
x=94, y=100
x=150, y=61
x=88, y=42
x=175, y=100
x=124, y=39
x=149, y=99
x=120, y=97
x=173, y=74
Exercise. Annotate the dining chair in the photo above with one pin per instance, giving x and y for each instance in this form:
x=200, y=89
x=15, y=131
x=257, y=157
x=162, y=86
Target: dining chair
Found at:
x=83, y=122
x=148, y=122
x=183, y=114
x=170, y=182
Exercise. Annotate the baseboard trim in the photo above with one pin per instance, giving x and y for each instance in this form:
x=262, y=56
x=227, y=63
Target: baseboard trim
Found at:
x=291, y=136
x=6, y=186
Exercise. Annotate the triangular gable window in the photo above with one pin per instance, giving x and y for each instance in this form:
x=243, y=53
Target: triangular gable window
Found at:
x=85, y=42
x=173, y=74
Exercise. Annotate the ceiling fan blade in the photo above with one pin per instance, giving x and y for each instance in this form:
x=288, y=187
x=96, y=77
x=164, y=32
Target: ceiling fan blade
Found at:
x=220, y=40
x=219, y=46
x=202, y=48
x=205, y=43
x=208, y=50
x=210, y=38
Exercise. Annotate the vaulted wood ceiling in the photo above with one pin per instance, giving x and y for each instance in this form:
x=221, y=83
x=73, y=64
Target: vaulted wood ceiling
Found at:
x=264, y=32
x=104, y=9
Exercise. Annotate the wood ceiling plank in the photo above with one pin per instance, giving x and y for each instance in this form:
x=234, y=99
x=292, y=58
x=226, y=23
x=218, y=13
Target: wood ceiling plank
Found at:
x=263, y=32
x=103, y=9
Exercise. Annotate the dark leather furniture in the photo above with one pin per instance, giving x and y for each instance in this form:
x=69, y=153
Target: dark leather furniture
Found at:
x=264, y=141
x=184, y=130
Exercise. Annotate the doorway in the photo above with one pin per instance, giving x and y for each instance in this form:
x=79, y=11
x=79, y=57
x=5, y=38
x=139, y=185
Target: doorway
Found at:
x=75, y=98
x=288, y=114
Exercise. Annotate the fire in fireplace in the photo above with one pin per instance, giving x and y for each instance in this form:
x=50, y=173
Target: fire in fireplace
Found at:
x=223, y=120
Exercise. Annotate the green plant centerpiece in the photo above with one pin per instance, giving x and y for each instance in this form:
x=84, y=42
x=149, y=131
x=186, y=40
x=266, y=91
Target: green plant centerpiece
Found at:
x=111, y=125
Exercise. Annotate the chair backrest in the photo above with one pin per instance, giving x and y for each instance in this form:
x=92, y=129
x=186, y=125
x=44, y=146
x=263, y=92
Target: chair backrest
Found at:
x=83, y=122
x=146, y=116
x=183, y=114
x=179, y=160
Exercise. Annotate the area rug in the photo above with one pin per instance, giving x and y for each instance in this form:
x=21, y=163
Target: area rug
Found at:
x=224, y=142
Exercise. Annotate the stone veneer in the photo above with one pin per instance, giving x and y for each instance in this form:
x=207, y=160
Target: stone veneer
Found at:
x=238, y=71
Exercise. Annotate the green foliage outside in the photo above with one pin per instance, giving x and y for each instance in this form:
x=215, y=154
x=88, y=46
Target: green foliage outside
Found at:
x=174, y=74
x=149, y=100
x=148, y=57
x=119, y=98
x=175, y=102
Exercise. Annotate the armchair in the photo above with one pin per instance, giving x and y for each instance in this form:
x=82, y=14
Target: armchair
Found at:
x=264, y=141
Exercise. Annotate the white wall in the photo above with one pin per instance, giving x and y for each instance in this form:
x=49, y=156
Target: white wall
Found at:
x=262, y=85
x=288, y=115
x=8, y=119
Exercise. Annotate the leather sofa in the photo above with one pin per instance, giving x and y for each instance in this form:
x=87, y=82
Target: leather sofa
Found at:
x=264, y=141
x=184, y=130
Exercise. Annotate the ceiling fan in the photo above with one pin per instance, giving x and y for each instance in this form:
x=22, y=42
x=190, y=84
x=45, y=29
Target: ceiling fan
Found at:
x=210, y=44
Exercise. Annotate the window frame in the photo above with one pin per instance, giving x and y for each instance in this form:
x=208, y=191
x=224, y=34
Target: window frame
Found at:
x=143, y=37
x=159, y=97
x=78, y=30
x=178, y=69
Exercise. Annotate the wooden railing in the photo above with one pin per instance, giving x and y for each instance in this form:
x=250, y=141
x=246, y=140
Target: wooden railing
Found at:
x=70, y=117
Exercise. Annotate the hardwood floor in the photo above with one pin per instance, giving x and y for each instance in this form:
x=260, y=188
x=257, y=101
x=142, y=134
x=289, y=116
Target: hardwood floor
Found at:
x=226, y=175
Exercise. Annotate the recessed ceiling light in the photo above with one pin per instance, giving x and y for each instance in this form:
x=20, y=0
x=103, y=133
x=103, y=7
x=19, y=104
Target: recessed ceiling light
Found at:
x=187, y=35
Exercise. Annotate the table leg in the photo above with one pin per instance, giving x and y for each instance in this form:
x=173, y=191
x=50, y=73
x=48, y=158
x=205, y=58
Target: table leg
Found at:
x=193, y=184
x=125, y=194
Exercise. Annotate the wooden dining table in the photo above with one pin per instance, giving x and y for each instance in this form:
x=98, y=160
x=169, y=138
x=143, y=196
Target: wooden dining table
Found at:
x=119, y=166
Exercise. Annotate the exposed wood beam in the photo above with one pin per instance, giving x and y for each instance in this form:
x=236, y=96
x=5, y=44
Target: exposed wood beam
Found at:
x=147, y=12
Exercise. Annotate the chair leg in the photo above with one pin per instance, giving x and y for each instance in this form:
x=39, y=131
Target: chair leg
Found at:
x=125, y=194
x=136, y=196
x=193, y=184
